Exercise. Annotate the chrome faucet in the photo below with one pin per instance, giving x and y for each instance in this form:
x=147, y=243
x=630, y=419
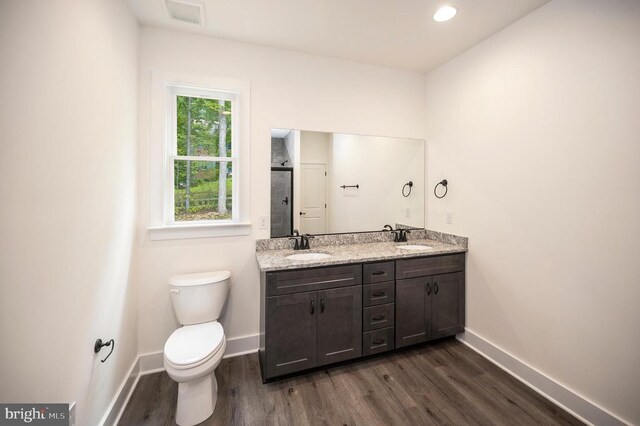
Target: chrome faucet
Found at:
x=387, y=228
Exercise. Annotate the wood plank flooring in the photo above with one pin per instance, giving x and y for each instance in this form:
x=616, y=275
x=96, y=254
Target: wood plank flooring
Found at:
x=441, y=383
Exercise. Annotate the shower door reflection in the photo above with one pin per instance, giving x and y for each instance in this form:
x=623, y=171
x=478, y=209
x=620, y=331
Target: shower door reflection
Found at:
x=281, y=201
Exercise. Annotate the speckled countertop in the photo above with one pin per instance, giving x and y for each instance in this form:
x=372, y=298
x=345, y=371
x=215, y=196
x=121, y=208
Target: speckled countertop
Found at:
x=275, y=260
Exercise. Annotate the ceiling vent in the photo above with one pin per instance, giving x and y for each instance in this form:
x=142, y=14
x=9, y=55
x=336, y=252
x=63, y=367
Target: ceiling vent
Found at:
x=186, y=11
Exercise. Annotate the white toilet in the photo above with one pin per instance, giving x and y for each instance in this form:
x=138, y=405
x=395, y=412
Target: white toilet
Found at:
x=193, y=351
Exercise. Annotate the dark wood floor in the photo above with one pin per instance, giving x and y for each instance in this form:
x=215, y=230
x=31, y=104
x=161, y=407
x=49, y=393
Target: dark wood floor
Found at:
x=442, y=383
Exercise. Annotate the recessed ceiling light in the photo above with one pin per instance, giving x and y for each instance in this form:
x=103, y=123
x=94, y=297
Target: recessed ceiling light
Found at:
x=444, y=13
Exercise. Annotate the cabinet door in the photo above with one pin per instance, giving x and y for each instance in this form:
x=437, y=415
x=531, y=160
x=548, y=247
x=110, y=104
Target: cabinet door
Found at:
x=413, y=313
x=339, y=324
x=447, y=305
x=291, y=324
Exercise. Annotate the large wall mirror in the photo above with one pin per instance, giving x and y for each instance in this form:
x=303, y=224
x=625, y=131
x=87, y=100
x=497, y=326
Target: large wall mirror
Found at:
x=324, y=183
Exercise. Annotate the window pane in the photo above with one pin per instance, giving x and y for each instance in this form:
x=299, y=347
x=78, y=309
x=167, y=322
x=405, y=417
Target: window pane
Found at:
x=202, y=124
x=202, y=190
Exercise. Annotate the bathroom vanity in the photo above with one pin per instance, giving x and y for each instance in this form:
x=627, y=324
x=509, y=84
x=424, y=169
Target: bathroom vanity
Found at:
x=363, y=299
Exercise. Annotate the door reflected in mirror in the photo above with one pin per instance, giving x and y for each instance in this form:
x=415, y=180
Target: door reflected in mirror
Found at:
x=323, y=183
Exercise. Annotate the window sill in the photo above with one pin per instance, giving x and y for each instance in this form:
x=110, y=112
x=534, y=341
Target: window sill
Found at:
x=198, y=230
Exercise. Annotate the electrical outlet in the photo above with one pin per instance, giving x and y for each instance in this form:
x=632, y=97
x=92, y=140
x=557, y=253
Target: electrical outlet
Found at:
x=262, y=222
x=449, y=217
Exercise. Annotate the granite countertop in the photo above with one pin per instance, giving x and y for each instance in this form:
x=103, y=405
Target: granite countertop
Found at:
x=275, y=260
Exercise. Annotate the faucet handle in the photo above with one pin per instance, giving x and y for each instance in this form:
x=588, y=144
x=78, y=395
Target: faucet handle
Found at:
x=296, y=246
x=304, y=244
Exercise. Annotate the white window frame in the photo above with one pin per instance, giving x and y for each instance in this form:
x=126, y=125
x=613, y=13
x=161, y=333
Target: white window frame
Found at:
x=165, y=90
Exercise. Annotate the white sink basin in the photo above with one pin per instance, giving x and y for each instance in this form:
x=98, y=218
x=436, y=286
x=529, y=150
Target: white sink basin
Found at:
x=414, y=247
x=308, y=256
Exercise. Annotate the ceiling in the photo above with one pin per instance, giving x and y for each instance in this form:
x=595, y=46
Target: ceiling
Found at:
x=393, y=33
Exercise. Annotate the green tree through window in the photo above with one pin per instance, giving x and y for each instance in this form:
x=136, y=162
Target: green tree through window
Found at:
x=203, y=173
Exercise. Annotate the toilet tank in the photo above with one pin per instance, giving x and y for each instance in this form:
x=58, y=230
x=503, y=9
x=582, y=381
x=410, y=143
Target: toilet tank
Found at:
x=200, y=297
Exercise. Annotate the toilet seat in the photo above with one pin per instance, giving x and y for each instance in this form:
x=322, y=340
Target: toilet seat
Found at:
x=193, y=345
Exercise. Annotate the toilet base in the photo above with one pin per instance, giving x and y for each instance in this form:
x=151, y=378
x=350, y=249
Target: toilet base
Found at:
x=196, y=400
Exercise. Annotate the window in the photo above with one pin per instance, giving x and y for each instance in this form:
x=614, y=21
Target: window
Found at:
x=200, y=161
x=197, y=145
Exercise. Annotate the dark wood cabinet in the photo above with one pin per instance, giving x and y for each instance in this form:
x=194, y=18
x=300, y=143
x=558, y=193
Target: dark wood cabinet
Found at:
x=313, y=317
x=447, y=305
x=292, y=323
x=378, y=341
x=412, y=311
x=306, y=329
x=429, y=308
x=339, y=325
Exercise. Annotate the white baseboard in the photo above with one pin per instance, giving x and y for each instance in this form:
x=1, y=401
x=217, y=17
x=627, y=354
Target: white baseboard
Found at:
x=579, y=406
x=121, y=398
x=153, y=362
x=242, y=345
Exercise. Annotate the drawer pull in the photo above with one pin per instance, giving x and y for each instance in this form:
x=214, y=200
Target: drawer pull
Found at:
x=313, y=307
x=428, y=288
x=378, y=341
x=378, y=317
x=377, y=273
x=378, y=294
x=435, y=288
x=321, y=305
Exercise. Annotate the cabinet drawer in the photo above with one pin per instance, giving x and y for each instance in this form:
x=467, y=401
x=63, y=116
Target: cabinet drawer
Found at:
x=376, y=317
x=375, y=342
x=288, y=282
x=425, y=266
x=378, y=272
x=379, y=293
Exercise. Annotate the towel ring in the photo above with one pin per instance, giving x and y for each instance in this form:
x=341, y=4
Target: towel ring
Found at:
x=443, y=183
x=410, y=185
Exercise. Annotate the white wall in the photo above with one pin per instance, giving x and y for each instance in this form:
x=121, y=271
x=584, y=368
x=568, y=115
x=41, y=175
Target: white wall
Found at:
x=288, y=90
x=381, y=166
x=314, y=147
x=68, y=166
x=537, y=130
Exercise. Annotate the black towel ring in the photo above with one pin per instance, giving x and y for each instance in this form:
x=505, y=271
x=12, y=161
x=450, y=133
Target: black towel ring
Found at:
x=410, y=185
x=443, y=183
x=99, y=345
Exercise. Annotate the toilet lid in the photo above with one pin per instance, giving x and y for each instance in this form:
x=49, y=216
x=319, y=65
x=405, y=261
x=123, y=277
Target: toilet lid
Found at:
x=194, y=343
